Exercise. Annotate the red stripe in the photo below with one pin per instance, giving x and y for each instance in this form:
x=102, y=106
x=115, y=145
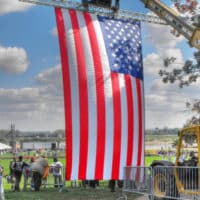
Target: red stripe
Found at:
x=67, y=90
x=117, y=125
x=140, y=134
x=100, y=94
x=130, y=110
x=83, y=96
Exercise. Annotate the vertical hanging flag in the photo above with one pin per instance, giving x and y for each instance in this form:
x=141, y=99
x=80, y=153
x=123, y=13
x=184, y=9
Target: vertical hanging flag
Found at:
x=103, y=94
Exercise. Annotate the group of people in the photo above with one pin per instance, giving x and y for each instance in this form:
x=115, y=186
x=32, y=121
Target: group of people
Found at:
x=38, y=170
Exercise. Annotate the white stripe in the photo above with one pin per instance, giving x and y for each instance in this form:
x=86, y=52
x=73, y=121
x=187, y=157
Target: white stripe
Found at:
x=74, y=95
x=92, y=134
x=108, y=101
x=143, y=121
x=124, y=120
x=135, y=137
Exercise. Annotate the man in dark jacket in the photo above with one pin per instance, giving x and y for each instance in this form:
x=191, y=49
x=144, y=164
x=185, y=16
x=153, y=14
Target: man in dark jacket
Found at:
x=17, y=168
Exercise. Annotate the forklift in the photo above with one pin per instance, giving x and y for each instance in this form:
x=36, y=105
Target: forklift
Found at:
x=182, y=177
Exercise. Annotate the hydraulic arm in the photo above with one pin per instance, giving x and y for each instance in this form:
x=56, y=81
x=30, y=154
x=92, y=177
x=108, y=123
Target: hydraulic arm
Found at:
x=166, y=15
x=190, y=32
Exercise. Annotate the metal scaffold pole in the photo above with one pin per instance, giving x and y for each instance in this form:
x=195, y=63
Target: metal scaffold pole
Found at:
x=99, y=10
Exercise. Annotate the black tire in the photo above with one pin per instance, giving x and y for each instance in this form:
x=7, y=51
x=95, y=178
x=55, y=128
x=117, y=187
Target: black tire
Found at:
x=164, y=184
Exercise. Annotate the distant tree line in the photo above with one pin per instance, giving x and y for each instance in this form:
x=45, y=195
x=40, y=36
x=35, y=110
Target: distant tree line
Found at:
x=5, y=135
x=61, y=133
x=162, y=131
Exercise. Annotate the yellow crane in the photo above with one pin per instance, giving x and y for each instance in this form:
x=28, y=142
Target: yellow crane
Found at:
x=189, y=31
x=165, y=14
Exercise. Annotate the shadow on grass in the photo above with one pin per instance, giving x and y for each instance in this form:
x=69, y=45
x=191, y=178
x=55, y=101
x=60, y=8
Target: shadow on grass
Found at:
x=69, y=194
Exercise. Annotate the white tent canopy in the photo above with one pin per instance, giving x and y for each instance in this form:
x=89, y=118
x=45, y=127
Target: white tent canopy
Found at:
x=4, y=146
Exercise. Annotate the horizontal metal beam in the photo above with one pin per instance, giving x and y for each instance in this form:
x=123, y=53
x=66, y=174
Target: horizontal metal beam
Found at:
x=98, y=10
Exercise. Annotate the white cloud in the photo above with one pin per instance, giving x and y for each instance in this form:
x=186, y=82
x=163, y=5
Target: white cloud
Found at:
x=50, y=81
x=19, y=99
x=42, y=108
x=13, y=59
x=152, y=63
x=8, y=6
x=157, y=86
x=170, y=119
x=38, y=108
x=50, y=76
x=193, y=90
x=165, y=105
x=160, y=36
x=165, y=45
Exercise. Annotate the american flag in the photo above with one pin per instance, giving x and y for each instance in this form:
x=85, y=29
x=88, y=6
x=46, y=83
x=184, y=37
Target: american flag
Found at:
x=103, y=94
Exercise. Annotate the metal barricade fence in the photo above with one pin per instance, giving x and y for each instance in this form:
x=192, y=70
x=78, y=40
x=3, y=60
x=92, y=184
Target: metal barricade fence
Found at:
x=163, y=182
x=180, y=182
x=137, y=180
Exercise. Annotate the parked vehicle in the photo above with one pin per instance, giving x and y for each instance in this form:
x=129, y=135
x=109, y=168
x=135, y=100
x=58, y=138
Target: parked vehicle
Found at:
x=181, y=177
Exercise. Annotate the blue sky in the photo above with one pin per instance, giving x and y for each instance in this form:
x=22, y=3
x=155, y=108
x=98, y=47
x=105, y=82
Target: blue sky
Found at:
x=30, y=77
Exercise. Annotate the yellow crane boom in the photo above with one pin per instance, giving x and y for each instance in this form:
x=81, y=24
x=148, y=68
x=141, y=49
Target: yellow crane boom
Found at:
x=166, y=15
x=190, y=32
